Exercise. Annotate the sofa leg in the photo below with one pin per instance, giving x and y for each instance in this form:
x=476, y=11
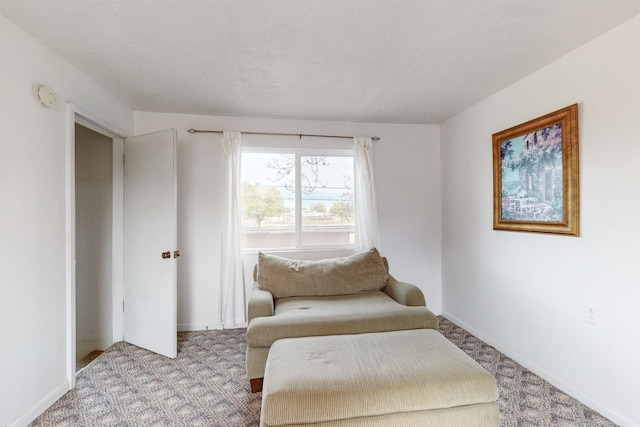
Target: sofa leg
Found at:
x=256, y=384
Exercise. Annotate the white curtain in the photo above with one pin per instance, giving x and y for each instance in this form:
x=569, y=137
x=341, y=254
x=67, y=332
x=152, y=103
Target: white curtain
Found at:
x=367, y=231
x=232, y=306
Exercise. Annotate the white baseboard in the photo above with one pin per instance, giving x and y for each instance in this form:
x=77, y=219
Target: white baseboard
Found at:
x=105, y=343
x=191, y=327
x=541, y=372
x=42, y=406
x=87, y=345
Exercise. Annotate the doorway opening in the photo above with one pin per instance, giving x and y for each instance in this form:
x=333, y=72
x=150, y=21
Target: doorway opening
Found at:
x=151, y=299
x=94, y=224
x=94, y=244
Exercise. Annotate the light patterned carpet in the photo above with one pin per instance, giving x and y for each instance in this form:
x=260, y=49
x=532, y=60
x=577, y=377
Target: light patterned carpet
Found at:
x=206, y=386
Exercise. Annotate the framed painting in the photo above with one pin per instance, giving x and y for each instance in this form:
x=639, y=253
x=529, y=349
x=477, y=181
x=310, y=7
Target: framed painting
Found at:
x=535, y=175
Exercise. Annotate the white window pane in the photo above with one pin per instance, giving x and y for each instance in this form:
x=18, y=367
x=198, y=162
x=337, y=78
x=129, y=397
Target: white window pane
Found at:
x=327, y=200
x=268, y=200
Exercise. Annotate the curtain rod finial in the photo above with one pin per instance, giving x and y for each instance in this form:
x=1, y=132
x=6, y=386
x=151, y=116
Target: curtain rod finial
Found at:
x=191, y=131
x=375, y=138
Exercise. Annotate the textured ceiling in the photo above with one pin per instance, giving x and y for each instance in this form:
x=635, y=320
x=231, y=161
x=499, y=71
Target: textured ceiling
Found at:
x=388, y=61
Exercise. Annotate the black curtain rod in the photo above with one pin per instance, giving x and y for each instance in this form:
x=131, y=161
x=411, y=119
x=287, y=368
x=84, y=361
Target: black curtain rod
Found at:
x=299, y=135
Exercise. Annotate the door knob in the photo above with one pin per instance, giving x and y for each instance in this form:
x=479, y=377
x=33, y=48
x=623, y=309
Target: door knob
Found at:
x=176, y=254
x=166, y=255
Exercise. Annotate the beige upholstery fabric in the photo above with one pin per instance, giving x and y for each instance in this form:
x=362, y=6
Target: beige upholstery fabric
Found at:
x=256, y=359
x=255, y=268
x=261, y=303
x=478, y=415
x=372, y=311
x=285, y=277
x=397, y=306
x=404, y=293
x=370, y=379
x=365, y=312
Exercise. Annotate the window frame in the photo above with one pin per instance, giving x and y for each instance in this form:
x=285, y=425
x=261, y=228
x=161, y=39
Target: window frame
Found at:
x=298, y=153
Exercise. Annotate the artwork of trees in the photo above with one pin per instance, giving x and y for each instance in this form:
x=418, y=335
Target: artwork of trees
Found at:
x=532, y=175
x=536, y=182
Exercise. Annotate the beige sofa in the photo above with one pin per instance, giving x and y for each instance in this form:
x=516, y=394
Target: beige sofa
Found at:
x=336, y=296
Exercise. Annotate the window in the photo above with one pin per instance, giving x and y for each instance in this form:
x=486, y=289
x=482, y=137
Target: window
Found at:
x=297, y=199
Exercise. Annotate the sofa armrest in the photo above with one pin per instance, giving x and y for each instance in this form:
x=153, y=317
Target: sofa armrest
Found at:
x=260, y=303
x=404, y=293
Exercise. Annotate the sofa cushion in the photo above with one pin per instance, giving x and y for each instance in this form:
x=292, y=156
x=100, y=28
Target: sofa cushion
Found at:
x=371, y=311
x=285, y=277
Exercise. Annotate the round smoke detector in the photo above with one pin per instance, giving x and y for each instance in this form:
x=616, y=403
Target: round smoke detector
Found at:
x=46, y=96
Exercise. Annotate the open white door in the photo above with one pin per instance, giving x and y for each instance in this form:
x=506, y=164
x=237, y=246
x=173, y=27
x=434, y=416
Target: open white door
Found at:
x=150, y=242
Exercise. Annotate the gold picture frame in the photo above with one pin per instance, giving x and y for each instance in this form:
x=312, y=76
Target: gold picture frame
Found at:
x=536, y=177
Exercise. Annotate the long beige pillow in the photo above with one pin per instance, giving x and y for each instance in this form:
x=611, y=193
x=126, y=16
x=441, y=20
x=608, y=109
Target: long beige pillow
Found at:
x=285, y=277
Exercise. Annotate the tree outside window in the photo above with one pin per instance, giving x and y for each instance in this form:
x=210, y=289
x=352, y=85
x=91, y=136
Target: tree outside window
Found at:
x=286, y=208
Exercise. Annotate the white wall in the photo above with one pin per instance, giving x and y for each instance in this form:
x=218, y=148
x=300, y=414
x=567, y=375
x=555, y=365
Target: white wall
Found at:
x=94, y=227
x=32, y=218
x=525, y=293
x=406, y=163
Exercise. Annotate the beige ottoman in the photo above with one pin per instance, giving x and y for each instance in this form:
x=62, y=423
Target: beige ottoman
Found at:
x=402, y=378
